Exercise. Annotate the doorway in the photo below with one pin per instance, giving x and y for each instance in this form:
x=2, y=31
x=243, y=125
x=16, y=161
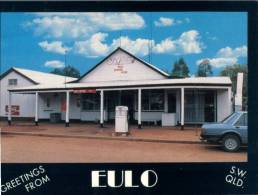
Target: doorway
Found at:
x=127, y=99
x=171, y=102
x=209, y=106
x=120, y=98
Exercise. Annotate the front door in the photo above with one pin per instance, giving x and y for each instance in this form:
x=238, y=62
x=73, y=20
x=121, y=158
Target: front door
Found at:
x=127, y=99
x=209, y=106
x=171, y=102
x=112, y=98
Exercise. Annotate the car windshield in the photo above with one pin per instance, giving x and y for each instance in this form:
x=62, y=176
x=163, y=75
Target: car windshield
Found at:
x=231, y=118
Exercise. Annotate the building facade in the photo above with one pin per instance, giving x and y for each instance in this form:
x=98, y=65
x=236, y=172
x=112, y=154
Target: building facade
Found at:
x=123, y=79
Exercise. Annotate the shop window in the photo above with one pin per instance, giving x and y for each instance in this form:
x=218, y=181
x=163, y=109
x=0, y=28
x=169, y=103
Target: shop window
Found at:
x=153, y=100
x=12, y=82
x=145, y=100
x=78, y=102
x=156, y=100
x=200, y=106
x=90, y=102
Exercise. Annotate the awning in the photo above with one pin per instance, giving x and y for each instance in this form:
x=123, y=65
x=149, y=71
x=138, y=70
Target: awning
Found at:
x=184, y=82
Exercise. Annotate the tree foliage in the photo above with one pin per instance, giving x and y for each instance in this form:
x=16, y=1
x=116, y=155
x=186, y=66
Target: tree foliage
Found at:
x=231, y=71
x=67, y=71
x=180, y=69
x=204, y=69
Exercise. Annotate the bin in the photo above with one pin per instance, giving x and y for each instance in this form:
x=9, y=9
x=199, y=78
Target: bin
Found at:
x=121, y=119
x=55, y=117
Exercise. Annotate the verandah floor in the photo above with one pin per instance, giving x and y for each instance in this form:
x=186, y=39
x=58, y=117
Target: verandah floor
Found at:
x=154, y=133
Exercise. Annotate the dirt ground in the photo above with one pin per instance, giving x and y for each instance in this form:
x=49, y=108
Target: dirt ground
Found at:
x=190, y=134
x=20, y=148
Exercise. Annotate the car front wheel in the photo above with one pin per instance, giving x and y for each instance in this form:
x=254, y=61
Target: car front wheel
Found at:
x=231, y=143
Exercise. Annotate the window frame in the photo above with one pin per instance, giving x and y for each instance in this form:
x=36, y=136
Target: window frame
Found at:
x=10, y=83
x=96, y=105
x=148, y=94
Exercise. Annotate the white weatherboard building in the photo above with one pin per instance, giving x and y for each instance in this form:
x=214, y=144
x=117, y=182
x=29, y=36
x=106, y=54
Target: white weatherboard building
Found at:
x=119, y=79
x=23, y=105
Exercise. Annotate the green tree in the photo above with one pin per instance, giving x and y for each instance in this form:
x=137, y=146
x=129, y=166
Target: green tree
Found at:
x=180, y=69
x=204, y=69
x=67, y=71
x=231, y=71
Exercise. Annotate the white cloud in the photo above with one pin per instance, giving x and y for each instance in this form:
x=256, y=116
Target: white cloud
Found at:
x=116, y=21
x=210, y=36
x=138, y=46
x=164, y=22
x=226, y=56
x=57, y=27
x=213, y=38
x=54, y=64
x=165, y=46
x=228, y=52
x=94, y=47
x=54, y=47
x=187, y=43
x=85, y=29
x=77, y=25
x=185, y=20
x=219, y=62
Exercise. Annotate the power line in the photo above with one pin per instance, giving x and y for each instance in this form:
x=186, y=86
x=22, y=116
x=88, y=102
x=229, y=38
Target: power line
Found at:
x=65, y=72
x=150, y=40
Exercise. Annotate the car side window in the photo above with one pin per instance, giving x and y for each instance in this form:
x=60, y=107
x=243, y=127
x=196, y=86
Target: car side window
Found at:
x=242, y=121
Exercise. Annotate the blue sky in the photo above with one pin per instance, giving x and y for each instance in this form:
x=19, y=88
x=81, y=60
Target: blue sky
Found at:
x=39, y=41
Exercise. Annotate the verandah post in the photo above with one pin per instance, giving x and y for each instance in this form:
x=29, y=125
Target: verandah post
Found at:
x=101, y=108
x=36, y=107
x=9, y=108
x=182, y=108
x=139, y=108
x=67, y=108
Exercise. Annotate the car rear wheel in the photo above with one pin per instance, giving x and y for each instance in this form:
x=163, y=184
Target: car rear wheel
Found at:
x=231, y=143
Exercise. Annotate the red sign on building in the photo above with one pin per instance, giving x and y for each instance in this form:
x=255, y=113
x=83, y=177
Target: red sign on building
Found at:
x=80, y=91
x=15, y=110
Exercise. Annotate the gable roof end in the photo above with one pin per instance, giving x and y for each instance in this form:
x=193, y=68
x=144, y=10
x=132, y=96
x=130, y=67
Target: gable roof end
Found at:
x=119, y=48
x=37, y=77
x=19, y=73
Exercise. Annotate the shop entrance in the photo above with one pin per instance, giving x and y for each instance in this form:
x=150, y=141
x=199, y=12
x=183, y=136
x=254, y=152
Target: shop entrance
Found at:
x=127, y=99
x=120, y=98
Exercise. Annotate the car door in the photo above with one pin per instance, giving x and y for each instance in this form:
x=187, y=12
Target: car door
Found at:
x=241, y=127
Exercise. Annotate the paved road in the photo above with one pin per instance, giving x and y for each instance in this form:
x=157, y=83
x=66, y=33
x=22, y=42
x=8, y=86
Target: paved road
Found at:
x=19, y=148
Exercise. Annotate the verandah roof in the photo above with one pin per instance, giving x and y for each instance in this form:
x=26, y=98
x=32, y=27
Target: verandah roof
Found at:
x=192, y=81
